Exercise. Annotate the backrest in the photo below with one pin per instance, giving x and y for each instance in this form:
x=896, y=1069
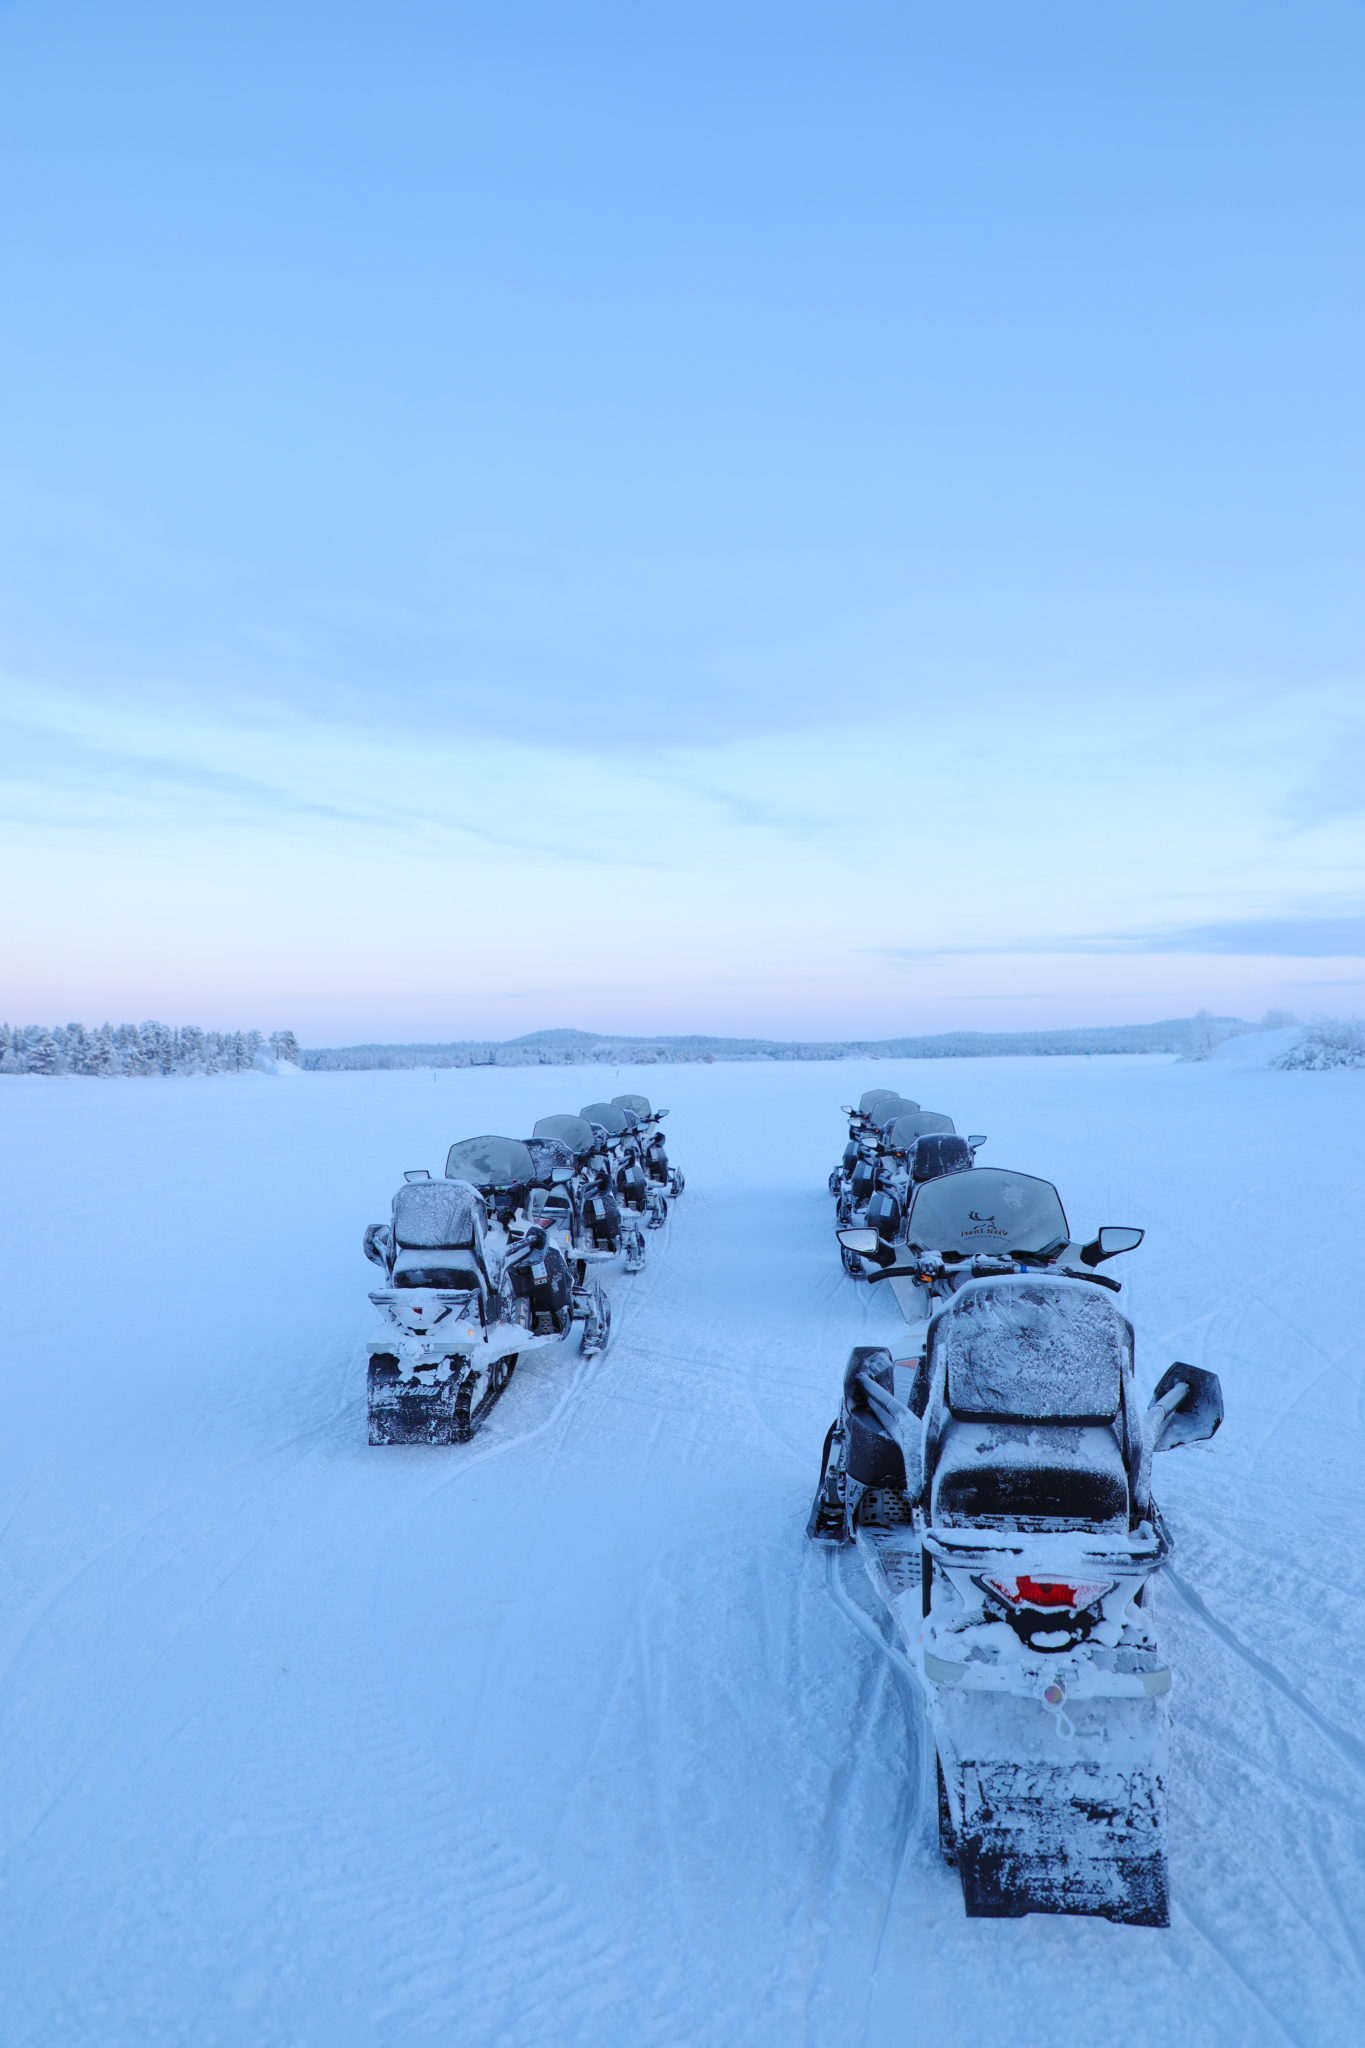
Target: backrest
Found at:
x=1024, y=1349
x=933, y=1156
x=986, y=1209
x=432, y=1213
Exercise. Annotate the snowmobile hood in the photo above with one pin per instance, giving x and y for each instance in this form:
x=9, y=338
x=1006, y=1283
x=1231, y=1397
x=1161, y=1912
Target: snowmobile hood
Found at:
x=613, y=1120
x=925, y=1123
x=986, y=1209
x=574, y=1131
x=1030, y=1350
x=490, y=1162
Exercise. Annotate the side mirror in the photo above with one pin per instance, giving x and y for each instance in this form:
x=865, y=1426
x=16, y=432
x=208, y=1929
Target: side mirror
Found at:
x=977, y=1140
x=659, y=1115
x=1109, y=1242
x=845, y=1109
x=417, y=1173
x=866, y=1242
x=377, y=1243
x=559, y=1174
x=1187, y=1407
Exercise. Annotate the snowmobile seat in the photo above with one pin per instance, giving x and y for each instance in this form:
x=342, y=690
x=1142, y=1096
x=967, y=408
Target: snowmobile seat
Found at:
x=937, y=1155
x=438, y=1231
x=1033, y=1376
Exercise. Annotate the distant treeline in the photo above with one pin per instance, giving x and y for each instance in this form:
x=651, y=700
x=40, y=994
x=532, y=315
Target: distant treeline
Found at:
x=137, y=1049
x=1190, y=1037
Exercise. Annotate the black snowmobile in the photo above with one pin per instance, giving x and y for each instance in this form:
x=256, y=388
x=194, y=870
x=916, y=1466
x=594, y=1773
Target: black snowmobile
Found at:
x=613, y=1207
x=997, y=1485
x=654, y=1153
x=912, y=1147
x=467, y=1295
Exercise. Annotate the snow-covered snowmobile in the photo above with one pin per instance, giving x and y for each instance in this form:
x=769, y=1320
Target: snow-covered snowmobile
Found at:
x=654, y=1151
x=998, y=1489
x=605, y=1208
x=464, y=1300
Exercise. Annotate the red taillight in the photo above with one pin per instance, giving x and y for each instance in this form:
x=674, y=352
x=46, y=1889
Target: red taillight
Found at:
x=1044, y=1593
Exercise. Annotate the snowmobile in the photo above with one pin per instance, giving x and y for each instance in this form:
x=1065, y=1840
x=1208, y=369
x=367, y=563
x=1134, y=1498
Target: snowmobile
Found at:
x=998, y=1489
x=465, y=1300
x=608, y=1206
x=881, y=1186
x=860, y=1126
x=647, y=1123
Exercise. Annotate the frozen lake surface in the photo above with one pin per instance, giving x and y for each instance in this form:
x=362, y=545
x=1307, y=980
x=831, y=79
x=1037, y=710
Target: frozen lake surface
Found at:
x=559, y=1738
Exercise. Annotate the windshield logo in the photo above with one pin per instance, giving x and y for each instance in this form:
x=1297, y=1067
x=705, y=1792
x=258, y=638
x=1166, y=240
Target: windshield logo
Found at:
x=983, y=1226
x=978, y=1218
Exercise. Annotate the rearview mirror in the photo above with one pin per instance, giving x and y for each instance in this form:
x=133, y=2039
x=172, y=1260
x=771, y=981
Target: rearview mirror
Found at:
x=864, y=1241
x=417, y=1173
x=1109, y=1242
x=845, y=1109
x=977, y=1140
x=1187, y=1407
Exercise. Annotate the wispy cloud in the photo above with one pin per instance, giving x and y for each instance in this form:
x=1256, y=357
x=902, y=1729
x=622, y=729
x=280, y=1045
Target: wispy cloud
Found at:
x=1307, y=936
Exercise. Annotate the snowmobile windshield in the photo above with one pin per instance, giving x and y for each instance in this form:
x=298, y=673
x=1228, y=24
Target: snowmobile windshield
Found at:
x=886, y=1113
x=638, y=1104
x=924, y=1124
x=549, y=1157
x=428, y=1214
x=612, y=1119
x=573, y=1131
x=490, y=1162
x=1026, y=1350
x=867, y=1104
x=986, y=1209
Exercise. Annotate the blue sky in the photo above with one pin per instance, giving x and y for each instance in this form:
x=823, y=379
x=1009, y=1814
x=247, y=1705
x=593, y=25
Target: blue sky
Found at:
x=752, y=517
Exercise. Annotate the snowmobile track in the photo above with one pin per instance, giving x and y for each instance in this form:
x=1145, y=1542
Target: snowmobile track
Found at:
x=1346, y=1746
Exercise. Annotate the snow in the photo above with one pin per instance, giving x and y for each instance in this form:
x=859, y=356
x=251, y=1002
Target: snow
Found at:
x=561, y=1738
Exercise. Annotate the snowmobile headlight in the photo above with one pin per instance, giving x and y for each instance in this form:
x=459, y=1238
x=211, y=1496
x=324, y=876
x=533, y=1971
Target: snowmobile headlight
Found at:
x=1046, y=1594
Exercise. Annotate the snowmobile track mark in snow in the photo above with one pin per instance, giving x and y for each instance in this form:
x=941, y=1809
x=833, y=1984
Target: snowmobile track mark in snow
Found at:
x=1346, y=1745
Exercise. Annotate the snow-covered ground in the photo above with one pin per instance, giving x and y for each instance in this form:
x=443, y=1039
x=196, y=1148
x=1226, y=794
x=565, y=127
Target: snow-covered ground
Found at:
x=560, y=1738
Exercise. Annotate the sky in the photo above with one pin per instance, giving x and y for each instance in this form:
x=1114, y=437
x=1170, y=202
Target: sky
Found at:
x=751, y=517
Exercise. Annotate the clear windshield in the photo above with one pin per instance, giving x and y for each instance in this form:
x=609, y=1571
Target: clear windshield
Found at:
x=885, y=1114
x=638, y=1103
x=1024, y=1350
x=607, y=1114
x=867, y=1103
x=926, y=1123
x=570, y=1130
x=986, y=1209
x=490, y=1162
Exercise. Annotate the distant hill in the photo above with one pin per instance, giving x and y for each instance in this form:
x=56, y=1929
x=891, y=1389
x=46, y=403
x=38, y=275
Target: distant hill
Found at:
x=1190, y=1037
